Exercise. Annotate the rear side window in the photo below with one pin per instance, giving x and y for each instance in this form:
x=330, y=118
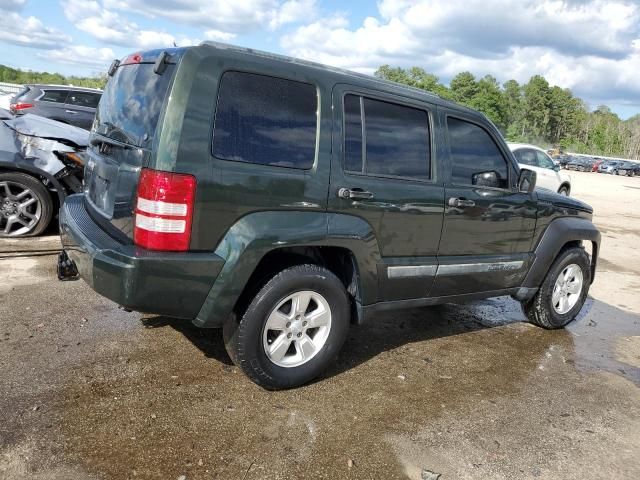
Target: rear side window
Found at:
x=56, y=96
x=266, y=120
x=83, y=99
x=396, y=139
x=473, y=151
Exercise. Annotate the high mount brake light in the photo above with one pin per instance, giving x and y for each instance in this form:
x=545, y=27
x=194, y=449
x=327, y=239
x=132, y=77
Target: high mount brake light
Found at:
x=132, y=59
x=164, y=210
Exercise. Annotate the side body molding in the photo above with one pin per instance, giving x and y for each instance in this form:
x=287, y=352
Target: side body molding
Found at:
x=256, y=234
x=558, y=233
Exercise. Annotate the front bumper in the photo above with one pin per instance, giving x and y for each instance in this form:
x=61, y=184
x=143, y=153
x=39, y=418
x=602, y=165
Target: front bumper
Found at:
x=167, y=283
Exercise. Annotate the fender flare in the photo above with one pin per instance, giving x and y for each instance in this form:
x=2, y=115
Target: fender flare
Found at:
x=34, y=171
x=557, y=234
x=254, y=235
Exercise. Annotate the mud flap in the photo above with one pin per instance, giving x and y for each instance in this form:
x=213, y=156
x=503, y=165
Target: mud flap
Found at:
x=67, y=270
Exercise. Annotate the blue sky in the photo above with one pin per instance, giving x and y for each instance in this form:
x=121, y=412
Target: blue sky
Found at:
x=590, y=46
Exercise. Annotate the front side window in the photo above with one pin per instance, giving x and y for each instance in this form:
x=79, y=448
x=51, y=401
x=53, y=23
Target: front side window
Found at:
x=56, y=96
x=266, y=120
x=83, y=99
x=544, y=161
x=473, y=152
x=396, y=139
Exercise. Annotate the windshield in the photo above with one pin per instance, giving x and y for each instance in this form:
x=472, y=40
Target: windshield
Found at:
x=132, y=102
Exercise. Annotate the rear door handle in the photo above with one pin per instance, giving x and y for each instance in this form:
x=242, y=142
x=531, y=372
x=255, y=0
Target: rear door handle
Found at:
x=71, y=111
x=461, y=202
x=354, y=193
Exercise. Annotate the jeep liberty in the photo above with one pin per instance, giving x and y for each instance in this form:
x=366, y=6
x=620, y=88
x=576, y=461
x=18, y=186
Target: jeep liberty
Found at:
x=282, y=200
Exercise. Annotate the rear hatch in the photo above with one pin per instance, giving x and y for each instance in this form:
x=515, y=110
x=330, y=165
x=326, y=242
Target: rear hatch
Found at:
x=122, y=136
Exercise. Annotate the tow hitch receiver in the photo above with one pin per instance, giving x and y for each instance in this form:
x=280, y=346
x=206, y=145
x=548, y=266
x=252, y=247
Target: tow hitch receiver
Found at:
x=66, y=268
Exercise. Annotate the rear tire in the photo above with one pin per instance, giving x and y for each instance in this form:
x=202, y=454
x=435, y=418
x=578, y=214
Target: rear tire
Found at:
x=26, y=206
x=563, y=291
x=276, y=341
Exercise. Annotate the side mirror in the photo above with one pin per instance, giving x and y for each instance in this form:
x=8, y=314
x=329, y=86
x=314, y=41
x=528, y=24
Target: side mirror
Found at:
x=526, y=180
x=486, y=179
x=556, y=167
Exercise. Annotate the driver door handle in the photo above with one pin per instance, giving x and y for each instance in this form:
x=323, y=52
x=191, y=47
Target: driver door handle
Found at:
x=354, y=193
x=461, y=202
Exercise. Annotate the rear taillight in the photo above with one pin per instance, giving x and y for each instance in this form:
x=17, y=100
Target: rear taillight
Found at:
x=20, y=106
x=164, y=210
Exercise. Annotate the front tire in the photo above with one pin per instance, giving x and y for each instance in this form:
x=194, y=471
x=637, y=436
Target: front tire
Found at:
x=564, y=190
x=293, y=328
x=563, y=291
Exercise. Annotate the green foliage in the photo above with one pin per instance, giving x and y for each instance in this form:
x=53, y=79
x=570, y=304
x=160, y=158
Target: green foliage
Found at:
x=11, y=75
x=534, y=112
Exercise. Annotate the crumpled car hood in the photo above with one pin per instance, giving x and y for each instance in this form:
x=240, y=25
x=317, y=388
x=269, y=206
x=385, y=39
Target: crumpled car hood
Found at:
x=36, y=126
x=30, y=141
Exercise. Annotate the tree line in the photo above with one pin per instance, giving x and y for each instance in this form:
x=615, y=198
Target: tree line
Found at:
x=13, y=75
x=534, y=112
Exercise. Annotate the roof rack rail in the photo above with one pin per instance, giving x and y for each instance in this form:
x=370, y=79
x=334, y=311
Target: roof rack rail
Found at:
x=309, y=63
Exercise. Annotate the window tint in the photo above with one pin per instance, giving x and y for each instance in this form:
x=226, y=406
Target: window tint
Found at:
x=473, y=151
x=57, y=96
x=265, y=120
x=84, y=99
x=397, y=139
x=352, y=134
x=526, y=156
x=544, y=161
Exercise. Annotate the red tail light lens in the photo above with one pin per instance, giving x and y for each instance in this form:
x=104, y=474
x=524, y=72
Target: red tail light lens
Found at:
x=132, y=59
x=164, y=210
x=20, y=106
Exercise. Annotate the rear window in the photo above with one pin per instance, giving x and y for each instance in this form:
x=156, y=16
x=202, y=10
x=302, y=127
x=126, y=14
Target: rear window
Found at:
x=266, y=120
x=131, y=103
x=21, y=93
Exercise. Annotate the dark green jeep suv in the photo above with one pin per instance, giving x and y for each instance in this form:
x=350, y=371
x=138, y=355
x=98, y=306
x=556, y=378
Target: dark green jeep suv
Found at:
x=283, y=200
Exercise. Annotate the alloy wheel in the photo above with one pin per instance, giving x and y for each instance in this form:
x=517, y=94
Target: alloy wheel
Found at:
x=20, y=209
x=297, y=329
x=567, y=289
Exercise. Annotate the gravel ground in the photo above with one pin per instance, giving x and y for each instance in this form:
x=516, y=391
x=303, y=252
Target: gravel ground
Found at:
x=88, y=391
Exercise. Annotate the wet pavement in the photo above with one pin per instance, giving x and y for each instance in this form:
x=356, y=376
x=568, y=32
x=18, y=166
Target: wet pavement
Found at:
x=89, y=391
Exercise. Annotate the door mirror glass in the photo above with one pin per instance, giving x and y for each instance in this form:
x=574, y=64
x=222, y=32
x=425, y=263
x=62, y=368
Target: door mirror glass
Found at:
x=486, y=179
x=526, y=180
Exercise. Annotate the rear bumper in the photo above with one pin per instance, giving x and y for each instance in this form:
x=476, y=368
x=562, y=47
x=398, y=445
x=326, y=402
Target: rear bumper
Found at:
x=166, y=283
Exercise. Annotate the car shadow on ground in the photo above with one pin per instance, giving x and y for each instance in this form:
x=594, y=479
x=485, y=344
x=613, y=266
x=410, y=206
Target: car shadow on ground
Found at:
x=597, y=322
x=381, y=333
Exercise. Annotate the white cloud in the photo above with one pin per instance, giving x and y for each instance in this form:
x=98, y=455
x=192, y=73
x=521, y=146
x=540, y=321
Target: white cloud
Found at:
x=112, y=28
x=29, y=32
x=82, y=55
x=235, y=16
x=218, y=36
x=592, y=46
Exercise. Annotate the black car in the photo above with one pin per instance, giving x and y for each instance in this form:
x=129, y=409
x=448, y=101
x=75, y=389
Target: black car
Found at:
x=283, y=200
x=580, y=164
x=73, y=105
x=630, y=169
